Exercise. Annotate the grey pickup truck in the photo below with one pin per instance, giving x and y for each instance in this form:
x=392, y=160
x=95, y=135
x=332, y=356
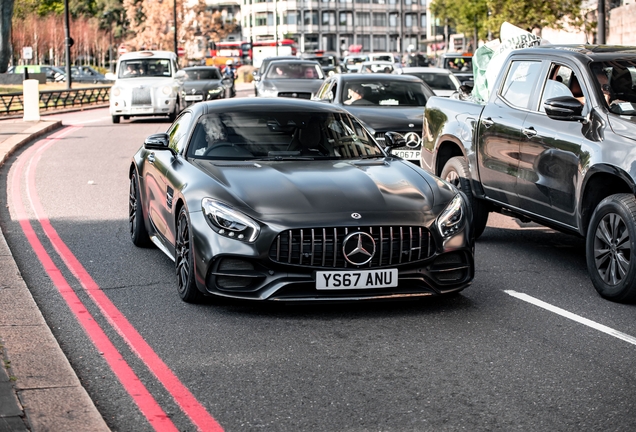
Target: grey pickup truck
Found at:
x=555, y=143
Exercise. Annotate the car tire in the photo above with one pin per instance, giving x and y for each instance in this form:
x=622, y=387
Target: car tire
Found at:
x=173, y=115
x=136, y=222
x=457, y=173
x=126, y=117
x=116, y=119
x=184, y=261
x=610, y=248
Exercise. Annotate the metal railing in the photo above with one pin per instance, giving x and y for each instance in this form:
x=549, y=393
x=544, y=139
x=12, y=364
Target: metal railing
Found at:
x=13, y=103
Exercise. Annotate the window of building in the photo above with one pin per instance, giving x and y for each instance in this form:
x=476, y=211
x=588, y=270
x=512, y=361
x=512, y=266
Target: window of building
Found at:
x=363, y=1
x=346, y=18
x=329, y=18
x=263, y=19
x=379, y=19
x=379, y=43
x=363, y=19
x=410, y=20
x=289, y=17
x=365, y=41
x=311, y=17
x=423, y=21
x=408, y=2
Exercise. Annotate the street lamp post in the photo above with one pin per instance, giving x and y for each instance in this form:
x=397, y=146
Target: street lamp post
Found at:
x=174, y=12
x=68, y=42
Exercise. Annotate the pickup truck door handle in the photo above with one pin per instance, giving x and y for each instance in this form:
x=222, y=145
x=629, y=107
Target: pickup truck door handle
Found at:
x=151, y=158
x=529, y=132
x=487, y=122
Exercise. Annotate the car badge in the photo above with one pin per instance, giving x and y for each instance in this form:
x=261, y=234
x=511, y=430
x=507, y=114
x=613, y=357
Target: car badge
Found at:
x=412, y=139
x=358, y=248
x=411, y=125
x=193, y=91
x=356, y=215
x=294, y=95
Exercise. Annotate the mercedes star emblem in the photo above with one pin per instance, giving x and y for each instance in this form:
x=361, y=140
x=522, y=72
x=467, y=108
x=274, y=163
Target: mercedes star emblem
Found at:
x=356, y=215
x=193, y=91
x=412, y=139
x=358, y=248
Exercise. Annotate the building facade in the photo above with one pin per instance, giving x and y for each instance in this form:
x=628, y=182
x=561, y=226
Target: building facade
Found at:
x=338, y=25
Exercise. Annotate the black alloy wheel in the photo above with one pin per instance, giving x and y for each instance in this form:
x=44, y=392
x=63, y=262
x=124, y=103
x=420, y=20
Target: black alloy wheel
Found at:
x=184, y=261
x=610, y=246
x=456, y=172
x=138, y=232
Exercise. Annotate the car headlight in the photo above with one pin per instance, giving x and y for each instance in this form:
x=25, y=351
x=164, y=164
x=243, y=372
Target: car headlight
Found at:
x=166, y=90
x=116, y=91
x=212, y=93
x=229, y=222
x=452, y=218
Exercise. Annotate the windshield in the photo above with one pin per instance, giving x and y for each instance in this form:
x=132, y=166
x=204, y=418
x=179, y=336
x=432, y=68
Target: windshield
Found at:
x=294, y=71
x=458, y=64
x=281, y=136
x=438, y=81
x=203, y=74
x=384, y=93
x=615, y=80
x=136, y=68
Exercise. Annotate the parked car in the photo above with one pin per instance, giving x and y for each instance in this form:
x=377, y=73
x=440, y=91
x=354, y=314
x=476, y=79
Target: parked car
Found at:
x=554, y=144
x=293, y=200
x=86, y=74
x=147, y=83
x=53, y=73
x=205, y=83
x=290, y=78
x=441, y=81
x=261, y=70
x=387, y=103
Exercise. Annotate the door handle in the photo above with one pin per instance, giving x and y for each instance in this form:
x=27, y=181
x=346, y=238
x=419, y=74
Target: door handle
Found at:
x=151, y=158
x=487, y=122
x=529, y=132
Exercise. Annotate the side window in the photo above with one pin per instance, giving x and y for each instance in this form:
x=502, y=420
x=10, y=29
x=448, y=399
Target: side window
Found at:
x=561, y=82
x=178, y=132
x=520, y=82
x=323, y=92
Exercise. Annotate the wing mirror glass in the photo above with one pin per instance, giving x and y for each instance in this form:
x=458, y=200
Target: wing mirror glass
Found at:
x=158, y=141
x=393, y=140
x=565, y=108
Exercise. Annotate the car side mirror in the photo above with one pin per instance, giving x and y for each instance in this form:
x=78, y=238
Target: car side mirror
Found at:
x=256, y=75
x=565, y=108
x=393, y=140
x=180, y=74
x=158, y=141
x=110, y=76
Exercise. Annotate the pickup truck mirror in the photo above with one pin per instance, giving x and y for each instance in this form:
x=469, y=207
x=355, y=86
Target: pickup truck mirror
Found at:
x=566, y=108
x=394, y=140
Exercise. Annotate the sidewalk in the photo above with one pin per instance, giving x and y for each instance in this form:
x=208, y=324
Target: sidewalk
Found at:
x=39, y=391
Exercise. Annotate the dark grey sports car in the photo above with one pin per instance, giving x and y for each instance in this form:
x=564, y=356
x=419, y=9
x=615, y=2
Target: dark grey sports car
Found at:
x=205, y=83
x=292, y=200
x=384, y=102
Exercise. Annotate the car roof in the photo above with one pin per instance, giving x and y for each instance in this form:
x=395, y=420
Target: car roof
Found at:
x=584, y=53
x=364, y=77
x=148, y=54
x=424, y=69
x=200, y=67
x=264, y=105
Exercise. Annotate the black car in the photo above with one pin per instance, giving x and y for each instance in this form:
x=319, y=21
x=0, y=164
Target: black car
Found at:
x=205, y=83
x=263, y=67
x=290, y=78
x=86, y=74
x=389, y=103
x=292, y=200
x=330, y=63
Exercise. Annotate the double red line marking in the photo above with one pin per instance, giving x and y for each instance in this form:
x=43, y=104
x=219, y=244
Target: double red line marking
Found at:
x=130, y=381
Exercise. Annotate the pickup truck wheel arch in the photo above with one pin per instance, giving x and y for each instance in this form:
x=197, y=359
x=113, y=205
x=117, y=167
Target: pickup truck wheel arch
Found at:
x=610, y=248
x=456, y=172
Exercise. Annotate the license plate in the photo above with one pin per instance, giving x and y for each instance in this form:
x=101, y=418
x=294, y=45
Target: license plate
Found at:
x=408, y=154
x=356, y=279
x=194, y=97
x=142, y=110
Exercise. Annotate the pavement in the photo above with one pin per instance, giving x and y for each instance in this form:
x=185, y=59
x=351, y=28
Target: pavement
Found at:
x=39, y=390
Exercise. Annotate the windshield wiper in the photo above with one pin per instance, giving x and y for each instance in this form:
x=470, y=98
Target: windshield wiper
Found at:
x=285, y=158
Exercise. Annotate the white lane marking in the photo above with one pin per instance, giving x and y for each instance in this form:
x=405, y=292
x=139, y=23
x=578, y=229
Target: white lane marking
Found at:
x=557, y=310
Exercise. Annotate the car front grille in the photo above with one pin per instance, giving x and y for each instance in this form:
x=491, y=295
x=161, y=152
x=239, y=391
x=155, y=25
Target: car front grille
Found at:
x=298, y=95
x=322, y=247
x=379, y=137
x=141, y=96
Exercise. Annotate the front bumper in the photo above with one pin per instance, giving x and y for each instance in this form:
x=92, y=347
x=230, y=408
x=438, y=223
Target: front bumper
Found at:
x=143, y=102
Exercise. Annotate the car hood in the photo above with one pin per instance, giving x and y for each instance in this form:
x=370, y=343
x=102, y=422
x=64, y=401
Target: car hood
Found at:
x=444, y=93
x=383, y=118
x=323, y=187
x=201, y=86
x=293, y=85
x=145, y=82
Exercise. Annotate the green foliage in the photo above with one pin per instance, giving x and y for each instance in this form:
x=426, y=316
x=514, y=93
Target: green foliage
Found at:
x=466, y=15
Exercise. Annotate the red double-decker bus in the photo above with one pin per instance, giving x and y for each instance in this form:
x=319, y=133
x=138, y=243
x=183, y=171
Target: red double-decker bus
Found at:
x=239, y=51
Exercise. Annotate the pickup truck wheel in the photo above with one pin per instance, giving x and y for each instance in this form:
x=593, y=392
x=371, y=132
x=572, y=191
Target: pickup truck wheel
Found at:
x=610, y=248
x=456, y=172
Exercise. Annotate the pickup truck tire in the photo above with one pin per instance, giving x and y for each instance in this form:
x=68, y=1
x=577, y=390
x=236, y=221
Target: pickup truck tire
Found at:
x=610, y=248
x=456, y=172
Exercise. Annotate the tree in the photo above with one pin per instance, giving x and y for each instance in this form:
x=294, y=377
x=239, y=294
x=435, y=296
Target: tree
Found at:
x=6, y=13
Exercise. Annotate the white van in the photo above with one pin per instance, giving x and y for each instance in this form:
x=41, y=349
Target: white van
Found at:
x=147, y=83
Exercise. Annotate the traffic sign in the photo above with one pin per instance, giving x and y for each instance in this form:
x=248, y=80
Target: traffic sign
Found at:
x=181, y=51
x=122, y=49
